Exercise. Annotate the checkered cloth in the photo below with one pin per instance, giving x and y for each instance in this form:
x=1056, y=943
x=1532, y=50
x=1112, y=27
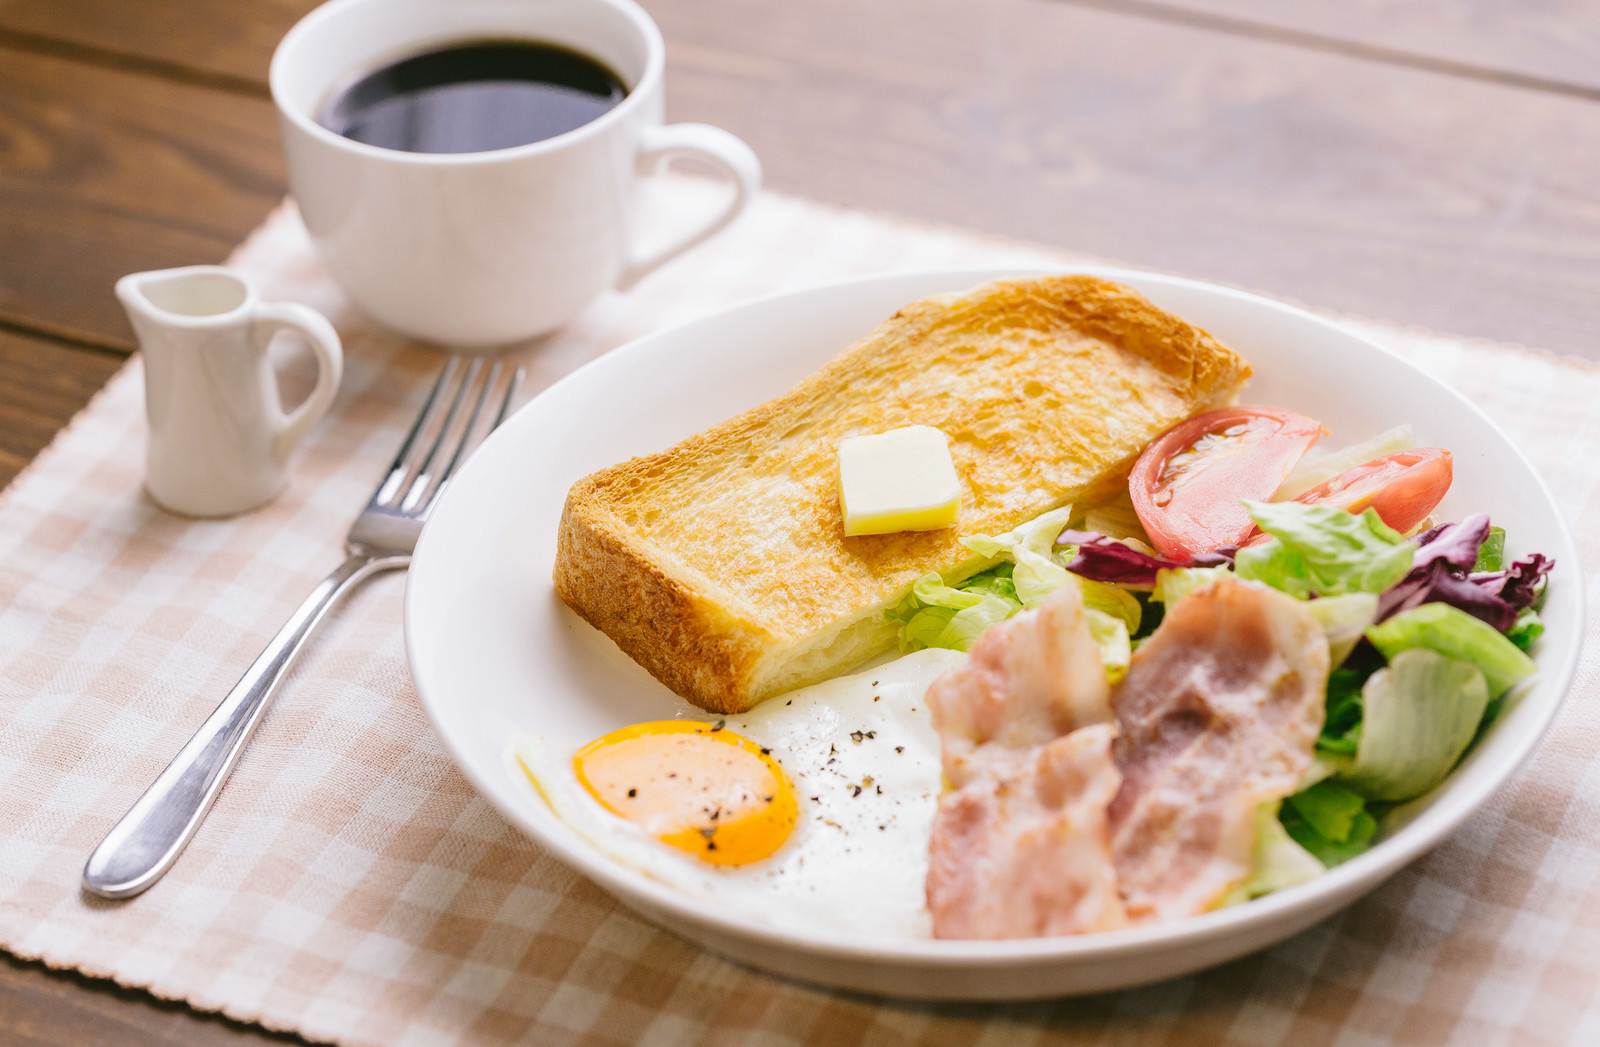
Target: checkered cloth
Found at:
x=350, y=886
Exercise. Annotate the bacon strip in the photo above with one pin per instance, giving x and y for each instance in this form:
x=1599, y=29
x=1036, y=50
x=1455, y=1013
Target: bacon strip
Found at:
x=1218, y=714
x=1059, y=823
x=1029, y=855
x=1027, y=681
x=1021, y=847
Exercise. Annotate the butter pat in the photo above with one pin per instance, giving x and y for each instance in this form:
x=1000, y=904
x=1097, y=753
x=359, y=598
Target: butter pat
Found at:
x=901, y=480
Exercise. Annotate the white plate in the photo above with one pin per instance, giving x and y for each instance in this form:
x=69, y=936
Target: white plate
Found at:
x=495, y=652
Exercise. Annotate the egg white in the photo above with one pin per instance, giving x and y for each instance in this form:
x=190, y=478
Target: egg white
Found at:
x=864, y=759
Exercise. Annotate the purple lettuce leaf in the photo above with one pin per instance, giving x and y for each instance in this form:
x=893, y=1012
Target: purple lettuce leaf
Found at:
x=1440, y=581
x=1440, y=574
x=1517, y=585
x=1425, y=537
x=1455, y=543
x=1105, y=559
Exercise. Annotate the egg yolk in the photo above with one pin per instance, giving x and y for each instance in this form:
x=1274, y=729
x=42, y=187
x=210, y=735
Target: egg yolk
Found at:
x=695, y=786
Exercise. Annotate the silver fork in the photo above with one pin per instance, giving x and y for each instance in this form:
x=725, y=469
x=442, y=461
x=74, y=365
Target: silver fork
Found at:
x=143, y=845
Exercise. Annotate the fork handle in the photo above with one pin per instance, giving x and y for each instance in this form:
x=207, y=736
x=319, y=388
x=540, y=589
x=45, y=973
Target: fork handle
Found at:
x=143, y=845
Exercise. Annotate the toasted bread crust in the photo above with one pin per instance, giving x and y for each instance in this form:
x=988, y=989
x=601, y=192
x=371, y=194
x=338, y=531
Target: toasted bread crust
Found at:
x=718, y=562
x=658, y=616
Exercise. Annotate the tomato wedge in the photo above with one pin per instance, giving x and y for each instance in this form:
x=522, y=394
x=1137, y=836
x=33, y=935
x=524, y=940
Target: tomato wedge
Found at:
x=1402, y=487
x=1187, y=485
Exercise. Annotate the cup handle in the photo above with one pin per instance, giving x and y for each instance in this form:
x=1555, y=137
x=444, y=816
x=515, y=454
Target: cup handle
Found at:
x=269, y=319
x=725, y=152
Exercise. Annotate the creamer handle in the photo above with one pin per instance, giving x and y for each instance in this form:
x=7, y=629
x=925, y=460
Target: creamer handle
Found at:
x=268, y=320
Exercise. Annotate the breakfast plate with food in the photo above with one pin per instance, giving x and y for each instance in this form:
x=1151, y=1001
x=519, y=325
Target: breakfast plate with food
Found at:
x=985, y=634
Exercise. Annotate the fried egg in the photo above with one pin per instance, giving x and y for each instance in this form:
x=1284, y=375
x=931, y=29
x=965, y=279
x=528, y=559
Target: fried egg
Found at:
x=694, y=786
x=813, y=809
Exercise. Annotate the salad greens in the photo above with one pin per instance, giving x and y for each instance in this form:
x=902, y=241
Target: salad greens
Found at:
x=1341, y=725
x=1333, y=823
x=1345, y=619
x=1323, y=549
x=1329, y=810
x=1424, y=635
x=939, y=615
x=1418, y=716
x=1525, y=629
x=1392, y=732
x=1174, y=583
x=1492, y=553
x=1031, y=550
x=1455, y=634
x=1445, y=569
x=1279, y=859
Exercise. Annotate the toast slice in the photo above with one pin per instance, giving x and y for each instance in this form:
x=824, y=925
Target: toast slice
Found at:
x=721, y=564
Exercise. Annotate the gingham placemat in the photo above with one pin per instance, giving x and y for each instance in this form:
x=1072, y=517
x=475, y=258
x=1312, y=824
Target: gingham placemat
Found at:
x=350, y=886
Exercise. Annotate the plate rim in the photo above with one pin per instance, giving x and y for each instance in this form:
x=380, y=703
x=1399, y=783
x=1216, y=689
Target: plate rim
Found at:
x=1344, y=882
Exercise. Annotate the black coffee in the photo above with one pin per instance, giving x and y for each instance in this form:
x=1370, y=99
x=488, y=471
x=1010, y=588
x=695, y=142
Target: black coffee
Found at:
x=467, y=98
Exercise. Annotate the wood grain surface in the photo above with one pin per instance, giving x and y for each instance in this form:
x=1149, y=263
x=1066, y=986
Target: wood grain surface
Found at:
x=1355, y=185
x=1428, y=161
x=44, y=1008
x=107, y=172
x=1457, y=203
x=1552, y=43
x=42, y=383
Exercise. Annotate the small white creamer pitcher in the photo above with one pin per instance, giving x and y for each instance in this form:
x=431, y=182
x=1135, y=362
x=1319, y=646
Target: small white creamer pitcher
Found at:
x=220, y=440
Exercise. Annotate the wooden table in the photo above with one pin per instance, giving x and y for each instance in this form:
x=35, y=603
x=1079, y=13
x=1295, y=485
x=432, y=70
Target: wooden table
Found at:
x=1435, y=162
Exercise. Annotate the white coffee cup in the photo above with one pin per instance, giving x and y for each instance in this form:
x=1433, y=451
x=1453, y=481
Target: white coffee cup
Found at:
x=219, y=441
x=479, y=250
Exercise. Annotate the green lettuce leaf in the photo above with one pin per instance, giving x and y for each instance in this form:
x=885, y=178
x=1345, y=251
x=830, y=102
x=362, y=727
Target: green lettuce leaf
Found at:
x=931, y=591
x=1111, y=636
x=1036, y=577
x=1118, y=520
x=1112, y=602
x=1330, y=809
x=1525, y=629
x=969, y=623
x=996, y=581
x=1330, y=821
x=940, y=615
x=1455, y=634
x=922, y=627
x=1036, y=572
x=1174, y=583
x=1279, y=861
x=1322, y=549
x=1150, y=619
x=1031, y=548
x=1344, y=619
x=1341, y=727
x=1492, y=553
x=1037, y=536
x=1420, y=714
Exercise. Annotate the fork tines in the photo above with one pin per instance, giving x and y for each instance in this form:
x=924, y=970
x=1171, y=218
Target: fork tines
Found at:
x=470, y=398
